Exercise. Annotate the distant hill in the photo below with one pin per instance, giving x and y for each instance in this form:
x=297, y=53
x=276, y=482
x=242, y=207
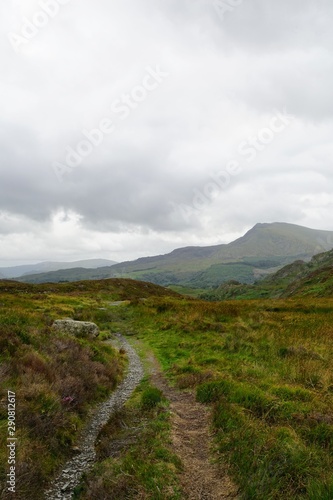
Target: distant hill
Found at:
x=262, y=250
x=44, y=267
x=117, y=289
x=314, y=278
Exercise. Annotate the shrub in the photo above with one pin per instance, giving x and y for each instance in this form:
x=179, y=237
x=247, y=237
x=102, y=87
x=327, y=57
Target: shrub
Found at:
x=193, y=379
x=321, y=434
x=316, y=490
x=213, y=391
x=292, y=393
x=255, y=400
x=151, y=397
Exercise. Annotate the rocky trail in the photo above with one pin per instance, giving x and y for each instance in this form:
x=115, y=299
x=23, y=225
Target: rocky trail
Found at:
x=63, y=486
x=191, y=437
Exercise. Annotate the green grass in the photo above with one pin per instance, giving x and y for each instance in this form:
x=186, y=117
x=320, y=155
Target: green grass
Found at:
x=150, y=398
x=186, y=290
x=311, y=279
x=144, y=465
x=57, y=378
x=265, y=369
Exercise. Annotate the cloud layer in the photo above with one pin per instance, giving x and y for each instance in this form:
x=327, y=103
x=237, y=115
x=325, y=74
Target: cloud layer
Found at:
x=184, y=89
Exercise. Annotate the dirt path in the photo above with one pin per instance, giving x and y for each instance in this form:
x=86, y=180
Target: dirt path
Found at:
x=191, y=439
x=63, y=486
x=200, y=479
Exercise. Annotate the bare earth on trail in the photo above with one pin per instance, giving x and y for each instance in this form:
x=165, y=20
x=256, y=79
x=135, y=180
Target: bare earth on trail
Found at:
x=191, y=438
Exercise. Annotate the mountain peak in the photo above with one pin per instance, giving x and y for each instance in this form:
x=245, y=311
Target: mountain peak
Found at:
x=264, y=248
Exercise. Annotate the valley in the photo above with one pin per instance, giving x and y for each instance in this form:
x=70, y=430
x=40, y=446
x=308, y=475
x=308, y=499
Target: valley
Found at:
x=263, y=250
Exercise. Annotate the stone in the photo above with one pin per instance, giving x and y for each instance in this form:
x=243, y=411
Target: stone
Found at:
x=76, y=328
x=65, y=486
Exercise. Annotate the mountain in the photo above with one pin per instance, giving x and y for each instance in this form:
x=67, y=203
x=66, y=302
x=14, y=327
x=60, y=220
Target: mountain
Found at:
x=262, y=250
x=44, y=267
x=314, y=278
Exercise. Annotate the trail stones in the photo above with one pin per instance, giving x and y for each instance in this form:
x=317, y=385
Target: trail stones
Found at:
x=63, y=485
x=76, y=328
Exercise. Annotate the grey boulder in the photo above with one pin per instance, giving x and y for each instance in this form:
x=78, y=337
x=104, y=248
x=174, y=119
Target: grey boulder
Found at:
x=76, y=328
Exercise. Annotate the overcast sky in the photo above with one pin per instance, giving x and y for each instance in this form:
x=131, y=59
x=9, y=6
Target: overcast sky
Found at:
x=132, y=127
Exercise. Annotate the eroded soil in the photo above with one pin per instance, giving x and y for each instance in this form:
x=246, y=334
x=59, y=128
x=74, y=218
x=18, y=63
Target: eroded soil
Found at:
x=191, y=440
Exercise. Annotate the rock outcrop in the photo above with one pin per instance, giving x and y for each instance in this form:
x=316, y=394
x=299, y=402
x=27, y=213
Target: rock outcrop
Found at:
x=76, y=328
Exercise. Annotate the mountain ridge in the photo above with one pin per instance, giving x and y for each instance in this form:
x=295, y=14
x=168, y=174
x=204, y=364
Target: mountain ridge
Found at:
x=46, y=266
x=313, y=278
x=263, y=249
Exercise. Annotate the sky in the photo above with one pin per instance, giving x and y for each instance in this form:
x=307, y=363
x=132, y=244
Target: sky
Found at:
x=131, y=128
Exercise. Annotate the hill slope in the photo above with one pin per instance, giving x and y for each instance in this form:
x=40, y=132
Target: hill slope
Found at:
x=45, y=267
x=314, y=278
x=263, y=249
x=57, y=377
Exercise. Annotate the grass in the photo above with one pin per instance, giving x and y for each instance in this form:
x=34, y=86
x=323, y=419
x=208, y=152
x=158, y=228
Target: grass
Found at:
x=186, y=290
x=134, y=454
x=57, y=378
x=302, y=279
x=265, y=368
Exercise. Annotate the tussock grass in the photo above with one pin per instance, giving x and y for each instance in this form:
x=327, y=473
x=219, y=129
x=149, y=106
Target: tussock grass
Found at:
x=134, y=452
x=56, y=378
x=265, y=368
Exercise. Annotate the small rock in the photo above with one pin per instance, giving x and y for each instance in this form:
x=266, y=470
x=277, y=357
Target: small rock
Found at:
x=65, y=487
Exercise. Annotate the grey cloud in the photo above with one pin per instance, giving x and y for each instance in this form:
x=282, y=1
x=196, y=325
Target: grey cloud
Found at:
x=276, y=26
x=225, y=80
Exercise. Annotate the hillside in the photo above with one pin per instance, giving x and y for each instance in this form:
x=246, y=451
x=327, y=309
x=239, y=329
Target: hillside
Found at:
x=263, y=368
x=260, y=372
x=314, y=278
x=57, y=377
x=44, y=267
x=262, y=250
x=116, y=289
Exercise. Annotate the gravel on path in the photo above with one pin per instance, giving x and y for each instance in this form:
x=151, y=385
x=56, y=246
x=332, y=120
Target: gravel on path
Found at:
x=63, y=485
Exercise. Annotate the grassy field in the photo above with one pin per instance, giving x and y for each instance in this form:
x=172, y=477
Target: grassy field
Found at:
x=299, y=279
x=263, y=367
x=134, y=455
x=56, y=377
